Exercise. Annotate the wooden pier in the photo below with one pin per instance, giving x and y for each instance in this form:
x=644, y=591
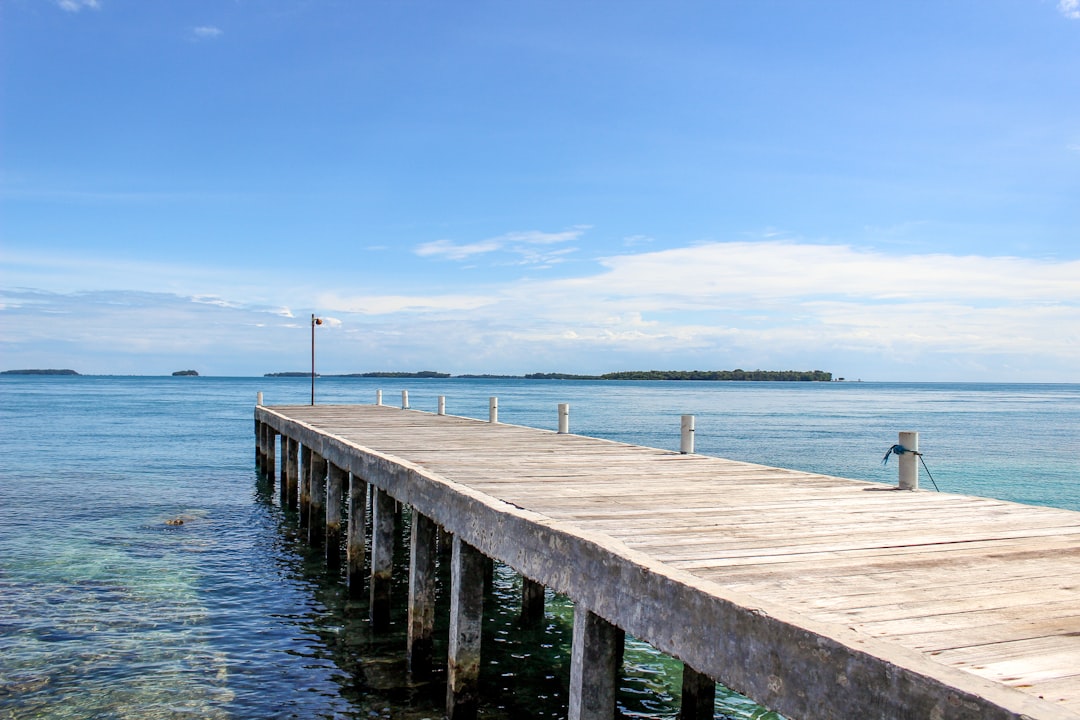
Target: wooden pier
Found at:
x=816, y=596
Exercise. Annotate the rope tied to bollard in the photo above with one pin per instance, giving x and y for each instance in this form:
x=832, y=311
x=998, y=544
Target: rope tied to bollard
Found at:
x=899, y=450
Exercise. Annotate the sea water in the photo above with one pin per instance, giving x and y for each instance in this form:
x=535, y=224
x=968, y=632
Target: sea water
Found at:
x=107, y=611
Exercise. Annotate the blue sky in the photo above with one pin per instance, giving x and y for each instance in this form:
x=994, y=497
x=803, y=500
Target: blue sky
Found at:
x=887, y=191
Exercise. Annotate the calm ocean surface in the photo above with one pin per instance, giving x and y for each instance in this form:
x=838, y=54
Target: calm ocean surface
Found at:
x=107, y=612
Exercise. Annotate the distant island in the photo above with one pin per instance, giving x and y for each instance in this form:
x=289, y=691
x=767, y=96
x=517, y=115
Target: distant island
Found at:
x=721, y=375
x=185, y=373
x=38, y=372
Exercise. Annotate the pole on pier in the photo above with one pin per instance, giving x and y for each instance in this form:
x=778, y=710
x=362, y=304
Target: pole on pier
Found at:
x=493, y=409
x=686, y=443
x=404, y=399
x=422, y=553
x=466, y=619
x=336, y=480
x=564, y=418
x=354, y=545
x=378, y=397
x=442, y=404
x=314, y=321
x=909, y=461
x=382, y=557
x=594, y=665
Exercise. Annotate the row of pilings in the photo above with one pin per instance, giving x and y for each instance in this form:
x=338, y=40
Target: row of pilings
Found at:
x=317, y=490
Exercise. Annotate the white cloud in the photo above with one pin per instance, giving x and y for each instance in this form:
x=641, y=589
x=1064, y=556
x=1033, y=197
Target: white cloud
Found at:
x=388, y=304
x=206, y=32
x=77, y=5
x=1070, y=9
x=523, y=244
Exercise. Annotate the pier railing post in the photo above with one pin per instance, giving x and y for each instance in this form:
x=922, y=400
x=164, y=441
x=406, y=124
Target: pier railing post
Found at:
x=404, y=399
x=909, y=461
x=686, y=441
x=564, y=418
x=493, y=409
x=442, y=404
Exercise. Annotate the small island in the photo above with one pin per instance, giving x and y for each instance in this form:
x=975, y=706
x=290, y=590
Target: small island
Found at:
x=719, y=375
x=38, y=372
x=185, y=373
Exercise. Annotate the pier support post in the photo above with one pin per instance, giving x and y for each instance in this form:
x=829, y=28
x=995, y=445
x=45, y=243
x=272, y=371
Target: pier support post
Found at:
x=532, y=603
x=909, y=461
x=421, y=596
x=355, y=549
x=317, y=507
x=466, y=619
x=305, y=485
x=594, y=666
x=289, y=485
x=336, y=480
x=271, y=454
x=493, y=409
x=382, y=557
x=564, y=418
x=686, y=441
x=260, y=445
x=698, y=695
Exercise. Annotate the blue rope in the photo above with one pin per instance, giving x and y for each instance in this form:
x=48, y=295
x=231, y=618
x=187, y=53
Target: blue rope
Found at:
x=900, y=450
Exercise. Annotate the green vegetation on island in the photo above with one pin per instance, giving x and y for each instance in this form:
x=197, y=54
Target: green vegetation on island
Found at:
x=421, y=374
x=38, y=372
x=185, y=373
x=736, y=375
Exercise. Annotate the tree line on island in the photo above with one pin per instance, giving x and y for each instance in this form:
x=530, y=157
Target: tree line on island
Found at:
x=737, y=374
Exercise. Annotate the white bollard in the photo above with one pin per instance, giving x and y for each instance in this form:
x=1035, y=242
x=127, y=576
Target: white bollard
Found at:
x=493, y=409
x=258, y=401
x=404, y=399
x=442, y=404
x=909, y=461
x=564, y=418
x=686, y=444
x=378, y=397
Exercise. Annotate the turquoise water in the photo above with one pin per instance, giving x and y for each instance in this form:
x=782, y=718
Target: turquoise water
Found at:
x=108, y=612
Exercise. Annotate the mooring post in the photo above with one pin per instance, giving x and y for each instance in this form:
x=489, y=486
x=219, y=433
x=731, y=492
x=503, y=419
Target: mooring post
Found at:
x=564, y=418
x=421, y=596
x=378, y=397
x=289, y=489
x=404, y=399
x=259, y=398
x=442, y=404
x=382, y=557
x=909, y=461
x=317, y=506
x=686, y=442
x=355, y=549
x=466, y=619
x=305, y=485
x=594, y=666
x=532, y=602
x=698, y=695
x=336, y=480
x=493, y=409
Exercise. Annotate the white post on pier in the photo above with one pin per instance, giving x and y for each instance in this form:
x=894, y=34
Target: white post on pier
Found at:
x=378, y=397
x=442, y=404
x=404, y=399
x=493, y=409
x=909, y=461
x=686, y=444
x=258, y=400
x=564, y=418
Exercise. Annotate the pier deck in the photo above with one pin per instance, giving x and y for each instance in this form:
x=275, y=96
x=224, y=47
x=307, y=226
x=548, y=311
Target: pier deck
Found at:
x=818, y=596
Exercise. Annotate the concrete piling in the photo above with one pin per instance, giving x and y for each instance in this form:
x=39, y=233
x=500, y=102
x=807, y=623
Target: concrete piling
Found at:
x=317, y=501
x=305, y=485
x=336, y=481
x=355, y=547
x=422, y=553
x=532, y=603
x=382, y=557
x=466, y=618
x=698, y=695
x=594, y=664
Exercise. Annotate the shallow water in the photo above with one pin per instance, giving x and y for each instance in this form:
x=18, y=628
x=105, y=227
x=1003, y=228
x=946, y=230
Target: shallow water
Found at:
x=109, y=612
